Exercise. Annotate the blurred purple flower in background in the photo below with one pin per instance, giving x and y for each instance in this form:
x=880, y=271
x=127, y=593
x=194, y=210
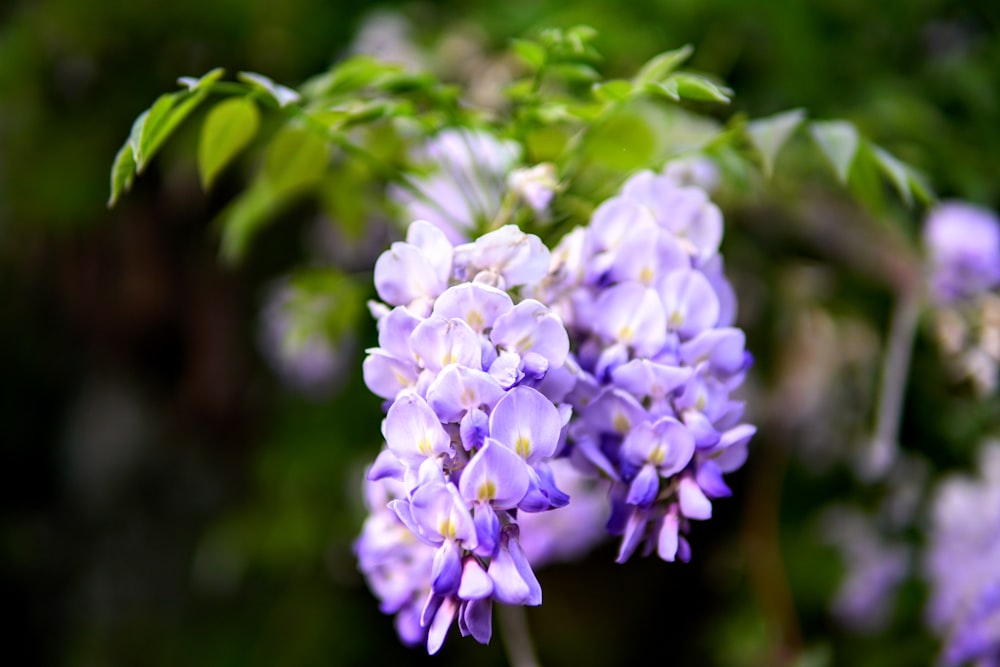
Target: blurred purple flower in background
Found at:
x=462, y=184
x=875, y=567
x=962, y=564
x=962, y=241
x=306, y=359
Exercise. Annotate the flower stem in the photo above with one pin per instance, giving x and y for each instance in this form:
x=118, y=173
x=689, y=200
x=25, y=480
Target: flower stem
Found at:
x=515, y=636
x=884, y=447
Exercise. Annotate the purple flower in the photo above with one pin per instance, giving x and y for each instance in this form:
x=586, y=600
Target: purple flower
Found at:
x=396, y=566
x=471, y=376
x=650, y=316
x=567, y=533
x=962, y=241
x=294, y=344
x=536, y=185
x=962, y=564
x=874, y=569
x=511, y=373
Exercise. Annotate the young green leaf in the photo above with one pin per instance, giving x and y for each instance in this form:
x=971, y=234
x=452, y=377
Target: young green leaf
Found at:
x=157, y=123
x=700, y=89
x=228, y=128
x=920, y=187
x=897, y=172
x=282, y=95
x=193, y=84
x=530, y=52
x=614, y=90
x=148, y=127
x=838, y=139
x=659, y=66
x=575, y=72
x=769, y=134
x=122, y=172
x=666, y=88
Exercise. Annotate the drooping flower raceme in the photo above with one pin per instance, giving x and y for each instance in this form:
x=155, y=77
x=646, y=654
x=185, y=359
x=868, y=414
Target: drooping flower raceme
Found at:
x=642, y=292
x=475, y=411
x=962, y=565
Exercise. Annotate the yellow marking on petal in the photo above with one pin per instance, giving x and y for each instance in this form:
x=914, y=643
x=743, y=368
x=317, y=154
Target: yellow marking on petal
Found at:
x=468, y=398
x=625, y=334
x=676, y=319
x=424, y=446
x=621, y=423
x=701, y=402
x=448, y=358
x=447, y=528
x=401, y=379
x=522, y=446
x=475, y=319
x=524, y=343
x=486, y=491
x=657, y=455
x=646, y=275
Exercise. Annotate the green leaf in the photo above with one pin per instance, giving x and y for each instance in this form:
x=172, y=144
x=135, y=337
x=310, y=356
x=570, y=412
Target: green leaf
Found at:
x=553, y=112
x=404, y=83
x=193, y=84
x=228, y=128
x=530, y=52
x=626, y=141
x=295, y=160
x=148, y=126
x=838, y=139
x=659, y=66
x=282, y=95
x=865, y=180
x=897, y=172
x=614, y=90
x=349, y=75
x=666, y=88
x=157, y=123
x=700, y=89
x=920, y=187
x=769, y=134
x=122, y=172
x=575, y=72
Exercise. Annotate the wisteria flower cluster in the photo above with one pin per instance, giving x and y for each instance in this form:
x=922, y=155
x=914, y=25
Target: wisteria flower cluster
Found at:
x=470, y=426
x=613, y=358
x=961, y=565
x=642, y=292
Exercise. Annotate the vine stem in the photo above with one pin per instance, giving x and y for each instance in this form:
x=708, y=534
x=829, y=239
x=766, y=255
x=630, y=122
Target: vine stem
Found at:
x=515, y=636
